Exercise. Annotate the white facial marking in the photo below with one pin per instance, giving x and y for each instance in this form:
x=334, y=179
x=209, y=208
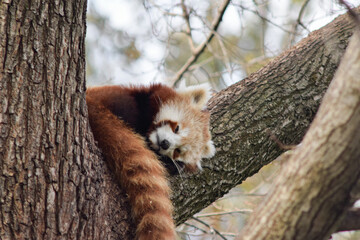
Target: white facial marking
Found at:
x=165, y=133
x=170, y=112
x=153, y=141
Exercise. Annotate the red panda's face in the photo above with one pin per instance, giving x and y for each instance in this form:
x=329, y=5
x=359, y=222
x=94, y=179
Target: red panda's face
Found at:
x=181, y=130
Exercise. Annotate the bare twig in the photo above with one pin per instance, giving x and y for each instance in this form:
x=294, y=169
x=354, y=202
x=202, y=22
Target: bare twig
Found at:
x=299, y=22
x=164, y=12
x=225, y=54
x=209, y=226
x=196, y=227
x=200, y=49
x=256, y=12
x=245, y=211
x=200, y=64
x=186, y=17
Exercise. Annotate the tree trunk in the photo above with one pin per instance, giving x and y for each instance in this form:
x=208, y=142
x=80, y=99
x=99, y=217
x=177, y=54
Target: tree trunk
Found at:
x=53, y=182
x=313, y=190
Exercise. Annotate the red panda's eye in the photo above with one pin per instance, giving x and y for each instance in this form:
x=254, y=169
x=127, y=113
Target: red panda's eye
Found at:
x=176, y=129
x=178, y=150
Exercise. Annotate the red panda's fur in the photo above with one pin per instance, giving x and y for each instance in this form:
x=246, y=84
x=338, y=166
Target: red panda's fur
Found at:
x=121, y=118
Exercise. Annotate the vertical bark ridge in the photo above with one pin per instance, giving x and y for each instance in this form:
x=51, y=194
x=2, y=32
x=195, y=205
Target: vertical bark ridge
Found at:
x=43, y=128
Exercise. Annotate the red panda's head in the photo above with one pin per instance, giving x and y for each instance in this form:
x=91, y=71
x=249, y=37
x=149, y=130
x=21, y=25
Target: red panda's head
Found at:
x=181, y=128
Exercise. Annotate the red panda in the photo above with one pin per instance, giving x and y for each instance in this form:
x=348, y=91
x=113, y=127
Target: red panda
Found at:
x=131, y=124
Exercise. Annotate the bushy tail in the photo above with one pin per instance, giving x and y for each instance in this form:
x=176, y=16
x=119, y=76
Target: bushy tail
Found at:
x=139, y=172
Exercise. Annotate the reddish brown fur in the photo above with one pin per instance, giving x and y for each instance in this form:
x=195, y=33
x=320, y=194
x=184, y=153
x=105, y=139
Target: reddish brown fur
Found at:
x=136, y=105
x=137, y=168
x=122, y=117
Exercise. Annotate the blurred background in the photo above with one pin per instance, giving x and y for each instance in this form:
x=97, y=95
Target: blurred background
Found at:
x=142, y=42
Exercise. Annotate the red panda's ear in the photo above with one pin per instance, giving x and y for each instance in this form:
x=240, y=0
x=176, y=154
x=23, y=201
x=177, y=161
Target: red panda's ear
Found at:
x=209, y=150
x=199, y=95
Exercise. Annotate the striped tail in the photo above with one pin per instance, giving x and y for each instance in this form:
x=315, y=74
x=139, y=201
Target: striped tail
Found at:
x=139, y=172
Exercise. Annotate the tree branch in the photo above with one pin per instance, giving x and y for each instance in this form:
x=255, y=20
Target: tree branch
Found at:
x=351, y=221
x=352, y=13
x=299, y=22
x=282, y=97
x=200, y=49
x=186, y=17
x=313, y=190
x=210, y=227
x=263, y=18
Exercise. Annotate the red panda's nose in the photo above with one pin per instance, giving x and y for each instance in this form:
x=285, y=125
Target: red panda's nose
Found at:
x=165, y=144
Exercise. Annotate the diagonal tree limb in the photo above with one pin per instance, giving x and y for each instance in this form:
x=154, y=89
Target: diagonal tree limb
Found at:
x=282, y=97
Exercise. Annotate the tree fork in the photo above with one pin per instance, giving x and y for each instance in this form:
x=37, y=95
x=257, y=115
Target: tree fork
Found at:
x=53, y=182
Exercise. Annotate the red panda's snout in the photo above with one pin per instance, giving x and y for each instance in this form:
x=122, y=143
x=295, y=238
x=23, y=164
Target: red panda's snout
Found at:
x=184, y=154
x=169, y=138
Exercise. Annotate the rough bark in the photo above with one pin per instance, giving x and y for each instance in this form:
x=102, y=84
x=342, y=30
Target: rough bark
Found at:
x=281, y=99
x=53, y=182
x=351, y=220
x=313, y=191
